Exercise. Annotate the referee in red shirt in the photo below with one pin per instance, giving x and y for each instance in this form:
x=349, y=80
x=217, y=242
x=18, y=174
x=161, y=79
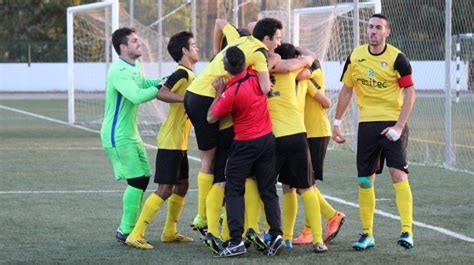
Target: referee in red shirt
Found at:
x=253, y=150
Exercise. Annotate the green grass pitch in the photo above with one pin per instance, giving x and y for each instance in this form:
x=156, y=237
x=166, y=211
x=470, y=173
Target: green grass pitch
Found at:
x=59, y=203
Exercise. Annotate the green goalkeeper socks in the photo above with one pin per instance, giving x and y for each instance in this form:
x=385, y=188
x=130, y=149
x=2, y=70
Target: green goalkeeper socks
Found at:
x=132, y=198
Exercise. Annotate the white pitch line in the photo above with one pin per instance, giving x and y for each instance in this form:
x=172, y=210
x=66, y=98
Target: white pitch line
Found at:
x=26, y=192
x=73, y=125
x=51, y=148
x=341, y=201
x=416, y=223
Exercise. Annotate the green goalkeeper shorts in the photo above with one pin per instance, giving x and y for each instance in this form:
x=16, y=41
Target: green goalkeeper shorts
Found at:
x=129, y=160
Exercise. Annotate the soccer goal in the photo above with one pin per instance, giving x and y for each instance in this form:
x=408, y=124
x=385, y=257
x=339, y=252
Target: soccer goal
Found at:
x=90, y=53
x=331, y=33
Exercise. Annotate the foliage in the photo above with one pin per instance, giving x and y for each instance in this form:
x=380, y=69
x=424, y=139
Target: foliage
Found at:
x=40, y=25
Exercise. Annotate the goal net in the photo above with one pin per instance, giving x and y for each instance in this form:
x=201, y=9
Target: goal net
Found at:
x=92, y=53
x=328, y=31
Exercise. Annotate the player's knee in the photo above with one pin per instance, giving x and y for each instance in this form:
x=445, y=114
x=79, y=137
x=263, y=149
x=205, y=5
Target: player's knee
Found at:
x=365, y=182
x=139, y=183
x=164, y=191
x=182, y=188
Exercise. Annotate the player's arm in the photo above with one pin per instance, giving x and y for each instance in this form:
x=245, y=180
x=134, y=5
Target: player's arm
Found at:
x=124, y=84
x=316, y=89
x=218, y=109
x=402, y=65
x=165, y=94
x=260, y=59
x=290, y=65
x=264, y=81
x=218, y=34
x=251, y=26
x=273, y=59
x=304, y=74
x=343, y=101
x=408, y=102
x=323, y=100
x=154, y=82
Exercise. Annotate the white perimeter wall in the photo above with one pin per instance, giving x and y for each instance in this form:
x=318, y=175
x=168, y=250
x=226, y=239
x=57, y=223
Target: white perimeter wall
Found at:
x=19, y=77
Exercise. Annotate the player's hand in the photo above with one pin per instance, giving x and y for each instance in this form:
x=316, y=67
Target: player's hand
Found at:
x=392, y=133
x=219, y=85
x=337, y=136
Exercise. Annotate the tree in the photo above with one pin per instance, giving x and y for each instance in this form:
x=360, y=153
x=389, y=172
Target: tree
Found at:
x=40, y=25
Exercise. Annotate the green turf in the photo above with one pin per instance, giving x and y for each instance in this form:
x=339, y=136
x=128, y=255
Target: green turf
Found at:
x=38, y=155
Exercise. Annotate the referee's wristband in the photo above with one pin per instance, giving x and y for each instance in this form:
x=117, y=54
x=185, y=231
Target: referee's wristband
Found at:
x=337, y=122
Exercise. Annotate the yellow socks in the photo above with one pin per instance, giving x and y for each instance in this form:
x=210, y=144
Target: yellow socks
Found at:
x=205, y=181
x=366, y=209
x=313, y=214
x=150, y=208
x=290, y=209
x=405, y=205
x=175, y=207
x=326, y=208
x=214, y=201
x=252, y=204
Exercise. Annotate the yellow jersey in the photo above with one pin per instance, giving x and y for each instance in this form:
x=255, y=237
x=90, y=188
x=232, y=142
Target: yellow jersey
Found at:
x=315, y=117
x=174, y=133
x=255, y=54
x=378, y=79
x=283, y=108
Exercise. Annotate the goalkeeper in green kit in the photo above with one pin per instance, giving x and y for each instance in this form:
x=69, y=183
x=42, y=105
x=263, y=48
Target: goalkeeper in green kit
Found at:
x=126, y=89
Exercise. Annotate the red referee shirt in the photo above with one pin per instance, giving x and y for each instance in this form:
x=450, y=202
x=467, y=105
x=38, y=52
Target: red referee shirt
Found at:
x=248, y=105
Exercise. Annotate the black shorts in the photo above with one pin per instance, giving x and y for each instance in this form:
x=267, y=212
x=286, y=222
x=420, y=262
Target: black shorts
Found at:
x=171, y=166
x=373, y=148
x=292, y=163
x=196, y=107
x=224, y=144
x=317, y=148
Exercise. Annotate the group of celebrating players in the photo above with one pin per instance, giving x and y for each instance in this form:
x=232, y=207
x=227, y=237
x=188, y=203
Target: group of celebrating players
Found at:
x=259, y=114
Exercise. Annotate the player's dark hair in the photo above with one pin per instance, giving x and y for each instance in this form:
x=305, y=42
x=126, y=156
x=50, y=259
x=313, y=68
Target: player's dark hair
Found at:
x=384, y=17
x=177, y=42
x=266, y=27
x=234, y=60
x=287, y=51
x=120, y=36
x=242, y=32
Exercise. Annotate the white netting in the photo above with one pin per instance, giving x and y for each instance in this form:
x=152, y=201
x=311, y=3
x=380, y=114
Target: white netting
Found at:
x=421, y=36
x=417, y=30
x=92, y=43
x=328, y=32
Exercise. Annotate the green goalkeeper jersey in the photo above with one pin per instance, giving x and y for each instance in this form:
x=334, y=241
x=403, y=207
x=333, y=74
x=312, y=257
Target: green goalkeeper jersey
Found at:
x=126, y=89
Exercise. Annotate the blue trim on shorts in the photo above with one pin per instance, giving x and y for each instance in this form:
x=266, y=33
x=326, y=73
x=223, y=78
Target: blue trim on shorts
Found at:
x=114, y=123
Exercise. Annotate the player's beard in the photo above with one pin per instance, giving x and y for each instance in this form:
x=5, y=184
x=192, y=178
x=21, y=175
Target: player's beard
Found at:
x=135, y=55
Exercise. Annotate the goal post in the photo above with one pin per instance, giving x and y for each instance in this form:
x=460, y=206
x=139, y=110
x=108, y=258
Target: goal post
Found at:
x=332, y=32
x=90, y=52
x=110, y=23
x=337, y=10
